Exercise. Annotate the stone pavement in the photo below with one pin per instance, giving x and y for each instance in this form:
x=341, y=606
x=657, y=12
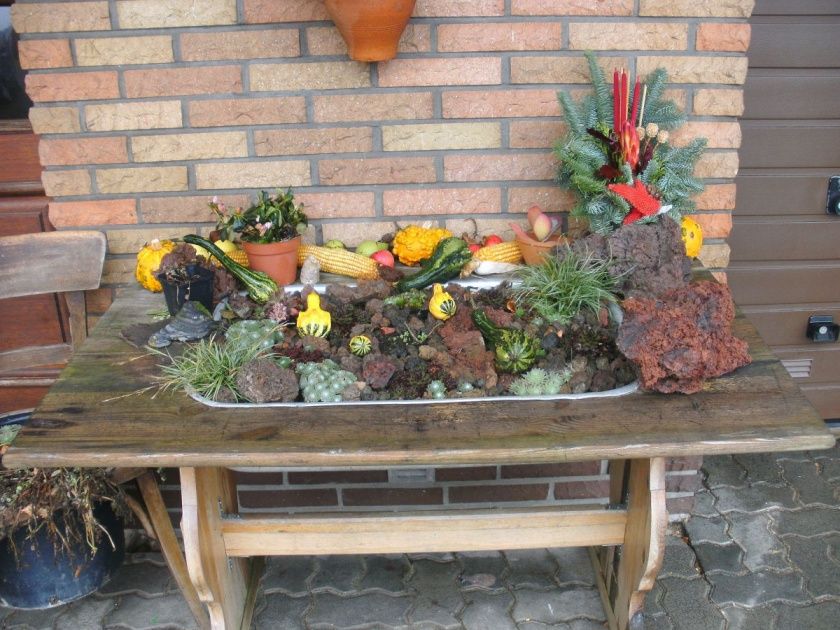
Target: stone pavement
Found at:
x=761, y=551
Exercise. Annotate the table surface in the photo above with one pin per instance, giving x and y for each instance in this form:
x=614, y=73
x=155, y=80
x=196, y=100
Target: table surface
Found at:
x=101, y=413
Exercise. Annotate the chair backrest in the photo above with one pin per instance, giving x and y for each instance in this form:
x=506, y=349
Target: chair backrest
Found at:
x=51, y=262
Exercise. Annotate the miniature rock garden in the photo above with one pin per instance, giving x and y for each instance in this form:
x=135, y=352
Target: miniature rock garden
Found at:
x=576, y=305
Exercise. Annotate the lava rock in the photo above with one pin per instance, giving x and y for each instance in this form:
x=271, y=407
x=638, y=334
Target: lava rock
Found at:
x=682, y=338
x=377, y=370
x=262, y=380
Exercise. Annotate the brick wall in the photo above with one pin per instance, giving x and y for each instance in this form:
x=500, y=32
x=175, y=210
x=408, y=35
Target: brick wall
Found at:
x=146, y=108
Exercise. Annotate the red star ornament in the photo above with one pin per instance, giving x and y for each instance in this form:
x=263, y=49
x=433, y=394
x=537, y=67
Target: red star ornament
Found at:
x=642, y=202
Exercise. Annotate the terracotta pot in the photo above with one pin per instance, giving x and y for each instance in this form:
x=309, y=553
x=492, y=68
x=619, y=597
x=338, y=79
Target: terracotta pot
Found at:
x=371, y=28
x=534, y=252
x=278, y=260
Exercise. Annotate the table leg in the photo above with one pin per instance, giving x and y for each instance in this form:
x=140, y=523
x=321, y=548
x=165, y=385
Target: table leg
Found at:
x=644, y=541
x=221, y=582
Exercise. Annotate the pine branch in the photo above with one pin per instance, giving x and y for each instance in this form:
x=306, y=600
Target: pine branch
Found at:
x=571, y=113
x=603, y=90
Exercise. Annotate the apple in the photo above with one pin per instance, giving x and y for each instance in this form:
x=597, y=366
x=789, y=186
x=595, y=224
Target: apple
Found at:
x=366, y=248
x=334, y=244
x=493, y=239
x=383, y=257
x=474, y=247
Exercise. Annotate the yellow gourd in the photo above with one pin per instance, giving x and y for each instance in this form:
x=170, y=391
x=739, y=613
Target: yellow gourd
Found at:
x=148, y=262
x=692, y=236
x=228, y=247
x=314, y=321
x=442, y=306
x=415, y=243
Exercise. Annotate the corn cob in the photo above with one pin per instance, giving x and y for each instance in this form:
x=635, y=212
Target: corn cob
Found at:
x=237, y=255
x=501, y=252
x=340, y=261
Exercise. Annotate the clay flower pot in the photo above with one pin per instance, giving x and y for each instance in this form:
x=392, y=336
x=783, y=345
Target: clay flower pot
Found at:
x=371, y=28
x=278, y=260
x=534, y=251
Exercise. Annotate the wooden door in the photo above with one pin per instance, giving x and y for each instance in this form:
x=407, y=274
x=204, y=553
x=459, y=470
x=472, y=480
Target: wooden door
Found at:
x=785, y=248
x=23, y=209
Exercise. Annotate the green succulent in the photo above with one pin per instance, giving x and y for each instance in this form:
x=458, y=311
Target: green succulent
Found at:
x=323, y=381
x=539, y=382
x=264, y=333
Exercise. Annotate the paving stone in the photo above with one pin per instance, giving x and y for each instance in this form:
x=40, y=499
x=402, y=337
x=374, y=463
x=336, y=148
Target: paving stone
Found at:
x=833, y=542
x=653, y=601
x=762, y=548
x=757, y=588
x=33, y=619
x=810, y=521
x=436, y=596
x=679, y=560
x=558, y=605
x=688, y=606
x=819, y=616
x=762, y=467
x=488, y=610
x=87, y=613
x=531, y=568
x=482, y=571
x=760, y=618
x=148, y=579
x=658, y=622
x=385, y=573
x=723, y=470
x=704, y=504
x=829, y=467
x=703, y=529
x=575, y=566
x=333, y=611
x=712, y=557
x=576, y=624
x=337, y=574
x=811, y=487
x=287, y=575
x=810, y=557
x=168, y=611
x=754, y=498
x=278, y=610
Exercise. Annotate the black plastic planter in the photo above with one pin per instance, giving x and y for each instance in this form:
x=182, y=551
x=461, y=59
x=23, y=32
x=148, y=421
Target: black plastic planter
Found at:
x=199, y=288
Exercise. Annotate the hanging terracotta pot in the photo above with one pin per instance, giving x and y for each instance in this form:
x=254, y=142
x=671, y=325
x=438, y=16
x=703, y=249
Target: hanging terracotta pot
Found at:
x=371, y=28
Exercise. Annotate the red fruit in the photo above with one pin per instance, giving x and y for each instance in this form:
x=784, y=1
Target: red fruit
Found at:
x=493, y=239
x=474, y=247
x=383, y=257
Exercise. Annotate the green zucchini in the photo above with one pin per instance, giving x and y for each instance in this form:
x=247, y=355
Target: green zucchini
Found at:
x=444, y=264
x=260, y=287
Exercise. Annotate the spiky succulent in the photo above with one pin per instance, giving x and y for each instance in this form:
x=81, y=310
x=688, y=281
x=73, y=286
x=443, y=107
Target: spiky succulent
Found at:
x=539, y=382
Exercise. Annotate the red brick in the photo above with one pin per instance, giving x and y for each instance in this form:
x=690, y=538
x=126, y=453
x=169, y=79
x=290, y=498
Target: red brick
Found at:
x=482, y=494
x=684, y=463
x=326, y=40
x=308, y=141
x=716, y=197
x=571, y=7
x=441, y=201
x=553, y=69
x=61, y=152
x=582, y=489
x=72, y=86
x=506, y=167
x=183, y=81
x=44, y=53
x=719, y=135
x=499, y=36
x=287, y=498
x=459, y=8
x=377, y=171
x=392, y=496
x=679, y=505
x=338, y=476
x=184, y=209
x=240, y=44
x=374, y=107
x=337, y=204
x=269, y=11
x=273, y=478
x=472, y=473
x=550, y=198
x=682, y=483
x=723, y=37
x=574, y=469
x=535, y=134
x=66, y=214
x=717, y=225
x=247, y=111
x=57, y=17
x=500, y=104
x=448, y=71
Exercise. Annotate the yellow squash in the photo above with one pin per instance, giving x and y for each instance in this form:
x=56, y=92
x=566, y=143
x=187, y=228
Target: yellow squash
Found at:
x=442, y=305
x=314, y=321
x=415, y=243
x=148, y=262
x=692, y=236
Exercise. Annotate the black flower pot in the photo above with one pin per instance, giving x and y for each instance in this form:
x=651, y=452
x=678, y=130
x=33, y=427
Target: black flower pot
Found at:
x=197, y=287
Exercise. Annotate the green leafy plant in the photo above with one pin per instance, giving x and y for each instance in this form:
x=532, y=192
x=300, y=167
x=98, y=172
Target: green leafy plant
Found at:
x=565, y=285
x=539, y=382
x=269, y=220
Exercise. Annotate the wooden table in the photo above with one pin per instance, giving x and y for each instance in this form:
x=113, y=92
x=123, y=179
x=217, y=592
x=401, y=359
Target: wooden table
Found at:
x=94, y=416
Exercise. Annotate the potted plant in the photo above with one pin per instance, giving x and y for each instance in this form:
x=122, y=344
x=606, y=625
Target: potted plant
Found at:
x=371, y=28
x=270, y=232
x=61, y=536
x=542, y=239
x=185, y=275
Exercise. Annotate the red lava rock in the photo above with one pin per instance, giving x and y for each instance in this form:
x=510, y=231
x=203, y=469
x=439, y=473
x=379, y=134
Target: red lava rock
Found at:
x=471, y=361
x=262, y=381
x=682, y=338
x=377, y=370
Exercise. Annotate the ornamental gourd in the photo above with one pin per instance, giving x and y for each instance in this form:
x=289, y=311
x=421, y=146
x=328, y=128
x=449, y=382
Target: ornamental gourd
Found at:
x=442, y=305
x=360, y=345
x=148, y=262
x=692, y=236
x=314, y=321
x=515, y=350
x=415, y=243
x=259, y=286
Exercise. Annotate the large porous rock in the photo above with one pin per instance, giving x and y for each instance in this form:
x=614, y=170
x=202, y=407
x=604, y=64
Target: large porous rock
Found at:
x=471, y=362
x=262, y=380
x=377, y=370
x=650, y=257
x=682, y=338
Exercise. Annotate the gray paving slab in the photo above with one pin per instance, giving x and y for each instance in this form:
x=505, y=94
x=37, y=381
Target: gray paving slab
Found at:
x=688, y=606
x=811, y=487
x=331, y=612
x=386, y=574
x=168, y=612
x=278, y=610
x=337, y=574
x=482, y=571
x=559, y=605
x=488, y=610
x=754, y=534
x=810, y=521
x=531, y=568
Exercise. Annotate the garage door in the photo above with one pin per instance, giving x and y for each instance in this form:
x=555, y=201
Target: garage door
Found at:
x=785, y=248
